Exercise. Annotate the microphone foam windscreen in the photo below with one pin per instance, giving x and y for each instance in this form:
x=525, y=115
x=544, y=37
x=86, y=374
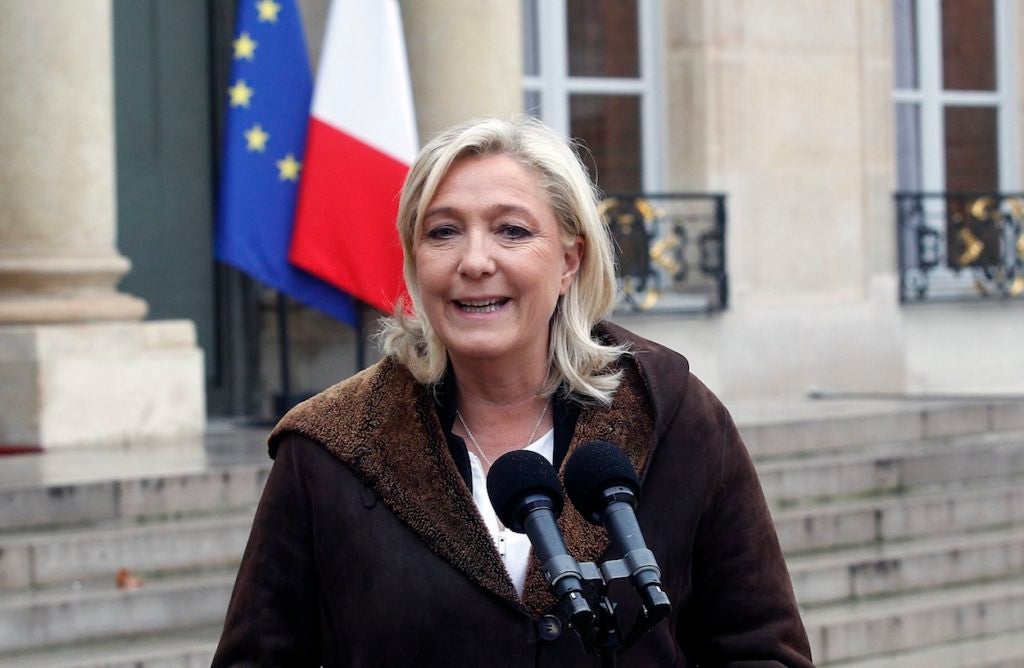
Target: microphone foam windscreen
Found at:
x=591, y=470
x=515, y=475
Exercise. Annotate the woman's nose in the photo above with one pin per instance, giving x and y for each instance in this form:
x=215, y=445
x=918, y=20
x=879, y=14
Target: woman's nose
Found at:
x=477, y=259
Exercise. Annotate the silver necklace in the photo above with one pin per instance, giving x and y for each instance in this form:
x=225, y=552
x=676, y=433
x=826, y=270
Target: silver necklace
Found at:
x=502, y=547
x=480, y=450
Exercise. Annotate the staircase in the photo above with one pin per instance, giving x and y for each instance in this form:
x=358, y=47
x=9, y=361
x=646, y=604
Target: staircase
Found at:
x=903, y=526
x=178, y=517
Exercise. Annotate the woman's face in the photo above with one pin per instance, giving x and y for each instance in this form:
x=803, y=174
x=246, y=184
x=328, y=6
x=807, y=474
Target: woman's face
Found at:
x=491, y=262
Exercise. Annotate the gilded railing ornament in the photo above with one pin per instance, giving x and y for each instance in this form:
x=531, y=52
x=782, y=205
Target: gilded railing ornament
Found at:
x=984, y=208
x=972, y=247
x=654, y=254
x=950, y=243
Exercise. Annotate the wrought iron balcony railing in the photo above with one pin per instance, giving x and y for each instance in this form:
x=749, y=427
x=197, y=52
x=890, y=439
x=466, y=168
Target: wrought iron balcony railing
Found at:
x=956, y=246
x=670, y=251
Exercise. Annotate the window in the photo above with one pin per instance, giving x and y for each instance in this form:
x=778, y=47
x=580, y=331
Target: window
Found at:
x=589, y=73
x=956, y=140
x=955, y=97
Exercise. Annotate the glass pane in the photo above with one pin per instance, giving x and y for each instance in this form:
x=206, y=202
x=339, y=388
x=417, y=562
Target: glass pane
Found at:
x=603, y=38
x=609, y=126
x=908, y=147
x=972, y=149
x=968, y=45
x=531, y=103
x=531, y=39
x=905, y=42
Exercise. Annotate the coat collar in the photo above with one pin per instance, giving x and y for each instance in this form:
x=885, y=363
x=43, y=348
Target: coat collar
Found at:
x=384, y=425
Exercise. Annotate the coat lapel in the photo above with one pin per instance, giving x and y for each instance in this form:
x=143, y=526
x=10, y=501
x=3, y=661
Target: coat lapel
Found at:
x=385, y=426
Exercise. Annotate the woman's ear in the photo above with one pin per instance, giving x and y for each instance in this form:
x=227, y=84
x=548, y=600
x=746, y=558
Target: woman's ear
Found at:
x=572, y=257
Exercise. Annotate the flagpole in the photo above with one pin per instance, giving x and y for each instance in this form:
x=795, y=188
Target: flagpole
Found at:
x=360, y=345
x=285, y=398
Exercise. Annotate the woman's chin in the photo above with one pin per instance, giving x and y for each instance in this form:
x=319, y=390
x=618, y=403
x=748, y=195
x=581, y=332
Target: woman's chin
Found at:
x=478, y=351
x=491, y=350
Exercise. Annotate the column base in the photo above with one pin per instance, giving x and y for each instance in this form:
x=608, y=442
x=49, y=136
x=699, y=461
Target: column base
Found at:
x=100, y=383
x=37, y=288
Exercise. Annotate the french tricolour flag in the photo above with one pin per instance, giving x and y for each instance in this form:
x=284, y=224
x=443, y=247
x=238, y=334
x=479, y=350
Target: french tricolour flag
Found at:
x=362, y=138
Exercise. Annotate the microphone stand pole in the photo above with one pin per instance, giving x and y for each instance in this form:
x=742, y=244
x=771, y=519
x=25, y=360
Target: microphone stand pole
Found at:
x=609, y=643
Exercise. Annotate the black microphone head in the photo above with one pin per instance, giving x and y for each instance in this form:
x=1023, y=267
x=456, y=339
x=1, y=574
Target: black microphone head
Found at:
x=516, y=475
x=591, y=470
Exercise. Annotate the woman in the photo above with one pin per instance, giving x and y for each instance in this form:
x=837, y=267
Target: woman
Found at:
x=375, y=543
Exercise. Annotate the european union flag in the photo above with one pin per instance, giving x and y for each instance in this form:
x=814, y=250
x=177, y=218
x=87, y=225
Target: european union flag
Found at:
x=269, y=93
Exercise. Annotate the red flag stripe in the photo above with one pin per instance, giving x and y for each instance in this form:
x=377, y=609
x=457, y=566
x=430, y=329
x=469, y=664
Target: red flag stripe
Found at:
x=345, y=223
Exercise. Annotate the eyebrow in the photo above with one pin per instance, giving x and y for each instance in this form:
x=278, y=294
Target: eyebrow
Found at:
x=491, y=211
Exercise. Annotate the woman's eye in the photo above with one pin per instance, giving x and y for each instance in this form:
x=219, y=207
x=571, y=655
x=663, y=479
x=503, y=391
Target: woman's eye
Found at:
x=512, y=231
x=441, y=232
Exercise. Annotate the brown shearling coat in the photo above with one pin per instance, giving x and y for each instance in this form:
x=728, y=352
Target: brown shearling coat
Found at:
x=367, y=549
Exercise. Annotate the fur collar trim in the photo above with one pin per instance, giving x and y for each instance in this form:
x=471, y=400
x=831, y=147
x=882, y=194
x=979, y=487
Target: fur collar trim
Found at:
x=384, y=425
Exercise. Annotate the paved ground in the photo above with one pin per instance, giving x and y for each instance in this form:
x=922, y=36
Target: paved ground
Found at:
x=226, y=443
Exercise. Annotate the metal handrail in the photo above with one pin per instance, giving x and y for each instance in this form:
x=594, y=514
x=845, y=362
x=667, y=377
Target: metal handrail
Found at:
x=670, y=251
x=960, y=245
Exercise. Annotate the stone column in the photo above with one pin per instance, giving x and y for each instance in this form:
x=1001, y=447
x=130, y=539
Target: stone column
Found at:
x=465, y=60
x=77, y=365
x=788, y=111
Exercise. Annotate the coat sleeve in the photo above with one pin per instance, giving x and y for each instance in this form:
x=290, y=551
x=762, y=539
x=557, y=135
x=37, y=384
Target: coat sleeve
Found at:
x=743, y=611
x=273, y=617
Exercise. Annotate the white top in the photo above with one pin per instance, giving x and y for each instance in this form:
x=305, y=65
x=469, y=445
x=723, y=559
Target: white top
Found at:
x=513, y=547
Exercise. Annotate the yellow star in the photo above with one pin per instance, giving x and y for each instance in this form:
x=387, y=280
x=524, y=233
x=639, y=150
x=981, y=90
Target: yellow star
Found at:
x=268, y=10
x=256, y=138
x=240, y=94
x=289, y=168
x=245, y=47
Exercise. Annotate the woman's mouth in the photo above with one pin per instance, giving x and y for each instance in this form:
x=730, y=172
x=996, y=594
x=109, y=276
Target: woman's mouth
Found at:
x=481, y=305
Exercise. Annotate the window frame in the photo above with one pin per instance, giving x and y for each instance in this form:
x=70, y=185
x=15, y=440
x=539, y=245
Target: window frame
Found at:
x=555, y=85
x=931, y=99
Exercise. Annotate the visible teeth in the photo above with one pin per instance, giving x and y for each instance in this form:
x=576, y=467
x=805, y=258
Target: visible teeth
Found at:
x=482, y=306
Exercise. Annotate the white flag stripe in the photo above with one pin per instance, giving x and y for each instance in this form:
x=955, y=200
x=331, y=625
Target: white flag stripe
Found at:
x=362, y=85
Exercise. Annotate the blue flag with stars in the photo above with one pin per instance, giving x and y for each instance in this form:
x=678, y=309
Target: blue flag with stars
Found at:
x=269, y=92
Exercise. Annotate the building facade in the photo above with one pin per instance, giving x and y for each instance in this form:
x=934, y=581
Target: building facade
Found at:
x=808, y=117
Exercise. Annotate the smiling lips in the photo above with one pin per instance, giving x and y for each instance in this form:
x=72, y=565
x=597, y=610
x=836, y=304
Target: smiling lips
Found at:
x=481, y=305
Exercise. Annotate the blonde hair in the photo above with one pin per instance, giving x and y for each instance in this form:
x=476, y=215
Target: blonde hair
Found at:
x=576, y=357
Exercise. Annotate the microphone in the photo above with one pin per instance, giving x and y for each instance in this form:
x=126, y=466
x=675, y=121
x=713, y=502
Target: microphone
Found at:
x=528, y=498
x=602, y=484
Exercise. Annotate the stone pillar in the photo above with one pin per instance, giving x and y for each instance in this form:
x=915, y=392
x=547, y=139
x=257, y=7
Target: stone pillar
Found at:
x=77, y=365
x=788, y=111
x=465, y=60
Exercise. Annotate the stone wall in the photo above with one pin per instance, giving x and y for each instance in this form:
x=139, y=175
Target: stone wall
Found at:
x=77, y=365
x=786, y=107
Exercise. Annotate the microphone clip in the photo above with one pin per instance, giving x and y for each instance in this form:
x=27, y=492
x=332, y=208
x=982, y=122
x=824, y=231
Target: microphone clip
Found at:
x=603, y=636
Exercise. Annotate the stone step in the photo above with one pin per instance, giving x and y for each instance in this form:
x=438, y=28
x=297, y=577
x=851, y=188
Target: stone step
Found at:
x=874, y=628
x=892, y=468
x=850, y=523
x=192, y=648
x=138, y=495
x=1005, y=650
x=890, y=569
x=98, y=610
x=63, y=535
x=157, y=496
x=104, y=484
x=53, y=557
x=783, y=428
